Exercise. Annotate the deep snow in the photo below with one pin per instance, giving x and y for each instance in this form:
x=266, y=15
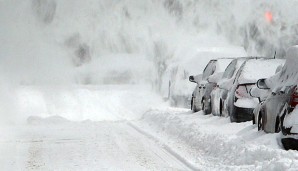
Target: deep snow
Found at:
x=88, y=127
x=60, y=61
x=213, y=143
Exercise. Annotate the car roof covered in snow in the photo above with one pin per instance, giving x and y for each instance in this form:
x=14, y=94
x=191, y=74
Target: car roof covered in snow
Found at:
x=254, y=69
x=288, y=75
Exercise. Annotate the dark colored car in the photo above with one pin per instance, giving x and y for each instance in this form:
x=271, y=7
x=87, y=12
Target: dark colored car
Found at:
x=239, y=103
x=279, y=110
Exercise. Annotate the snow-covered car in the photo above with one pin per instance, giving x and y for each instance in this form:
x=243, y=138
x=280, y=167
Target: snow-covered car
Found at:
x=278, y=111
x=262, y=94
x=175, y=86
x=239, y=103
x=201, y=99
x=219, y=94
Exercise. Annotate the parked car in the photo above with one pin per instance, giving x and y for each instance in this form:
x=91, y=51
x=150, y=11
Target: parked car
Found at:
x=218, y=94
x=207, y=81
x=174, y=85
x=279, y=110
x=239, y=103
x=262, y=93
x=282, y=99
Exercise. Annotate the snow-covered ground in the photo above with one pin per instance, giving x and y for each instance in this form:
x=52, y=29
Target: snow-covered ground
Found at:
x=129, y=128
x=60, y=60
x=213, y=143
x=55, y=143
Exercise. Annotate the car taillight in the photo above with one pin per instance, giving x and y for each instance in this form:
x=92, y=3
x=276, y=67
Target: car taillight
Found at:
x=294, y=98
x=241, y=92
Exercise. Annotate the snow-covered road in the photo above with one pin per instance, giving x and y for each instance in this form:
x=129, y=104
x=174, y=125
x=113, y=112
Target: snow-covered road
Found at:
x=127, y=128
x=57, y=144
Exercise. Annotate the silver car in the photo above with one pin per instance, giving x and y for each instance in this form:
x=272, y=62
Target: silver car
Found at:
x=201, y=99
x=219, y=94
x=240, y=104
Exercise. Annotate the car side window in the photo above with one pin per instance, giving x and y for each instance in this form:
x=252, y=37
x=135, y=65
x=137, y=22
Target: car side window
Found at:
x=209, y=70
x=229, y=72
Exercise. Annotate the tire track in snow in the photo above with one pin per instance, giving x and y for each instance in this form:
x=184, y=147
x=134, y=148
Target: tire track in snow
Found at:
x=165, y=147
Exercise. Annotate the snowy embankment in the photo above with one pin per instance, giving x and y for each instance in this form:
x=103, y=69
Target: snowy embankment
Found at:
x=79, y=102
x=213, y=143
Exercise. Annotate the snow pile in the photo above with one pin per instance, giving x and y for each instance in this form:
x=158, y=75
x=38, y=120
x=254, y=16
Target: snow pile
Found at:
x=288, y=75
x=213, y=143
x=247, y=102
x=78, y=103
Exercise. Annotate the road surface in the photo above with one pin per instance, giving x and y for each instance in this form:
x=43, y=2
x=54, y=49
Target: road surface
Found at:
x=58, y=144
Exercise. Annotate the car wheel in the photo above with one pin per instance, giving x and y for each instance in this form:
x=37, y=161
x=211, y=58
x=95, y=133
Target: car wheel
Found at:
x=193, y=105
x=203, y=104
x=281, y=118
x=253, y=119
x=260, y=122
x=277, y=125
x=220, y=107
x=208, y=107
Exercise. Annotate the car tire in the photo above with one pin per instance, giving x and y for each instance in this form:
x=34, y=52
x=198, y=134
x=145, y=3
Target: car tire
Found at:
x=203, y=104
x=191, y=104
x=206, y=109
x=277, y=125
x=194, y=107
x=260, y=122
x=220, y=107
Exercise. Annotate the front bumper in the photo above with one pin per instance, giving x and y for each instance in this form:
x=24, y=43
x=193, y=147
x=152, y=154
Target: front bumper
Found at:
x=242, y=114
x=290, y=143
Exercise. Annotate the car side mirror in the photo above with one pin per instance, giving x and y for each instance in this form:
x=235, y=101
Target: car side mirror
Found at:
x=261, y=84
x=195, y=79
x=192, y=79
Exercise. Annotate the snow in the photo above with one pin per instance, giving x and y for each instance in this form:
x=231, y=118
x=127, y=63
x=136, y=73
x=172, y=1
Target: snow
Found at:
x=75, y=75
x=87, y=127
x=222, y=64
x=288, y=75
x=79, y=103
x=55, y=144
x=213, y=143
x=256, y=69
x=247, y=102
x=179, y=71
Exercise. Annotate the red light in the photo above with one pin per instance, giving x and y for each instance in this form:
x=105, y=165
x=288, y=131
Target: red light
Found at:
x=269, y=16
x=294, y=99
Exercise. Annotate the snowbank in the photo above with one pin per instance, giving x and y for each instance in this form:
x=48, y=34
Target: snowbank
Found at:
x=213, y=143
x=78, y=103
